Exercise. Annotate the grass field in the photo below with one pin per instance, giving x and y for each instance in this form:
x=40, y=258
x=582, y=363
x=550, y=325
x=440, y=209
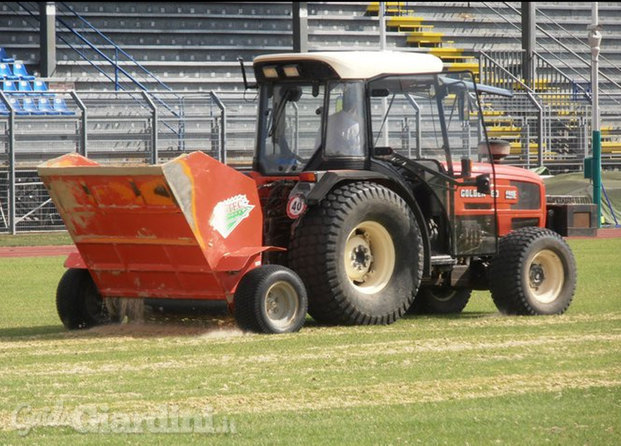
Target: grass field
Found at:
x=478, y=378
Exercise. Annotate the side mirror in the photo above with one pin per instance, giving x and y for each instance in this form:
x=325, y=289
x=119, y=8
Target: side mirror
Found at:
x=483, y=184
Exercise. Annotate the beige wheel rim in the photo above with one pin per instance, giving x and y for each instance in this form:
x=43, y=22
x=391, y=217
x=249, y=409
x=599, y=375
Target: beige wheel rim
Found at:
x=369, y=257
x=546, y=276
x=281, y=305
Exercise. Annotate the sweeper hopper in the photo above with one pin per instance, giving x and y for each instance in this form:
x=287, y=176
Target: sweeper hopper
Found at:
x=187, y=229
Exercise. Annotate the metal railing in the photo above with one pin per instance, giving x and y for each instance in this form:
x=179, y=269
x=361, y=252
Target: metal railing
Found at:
x=85, y=44
x=523, y=112
x=564, y=105
x=117, y=51
x=106, y=126
x=111, y=127
x=563, y=62
x=560, y=45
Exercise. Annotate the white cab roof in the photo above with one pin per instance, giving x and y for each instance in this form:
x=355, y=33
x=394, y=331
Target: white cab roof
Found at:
x=364, y=64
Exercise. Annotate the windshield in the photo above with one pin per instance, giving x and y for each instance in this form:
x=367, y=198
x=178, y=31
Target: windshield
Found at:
x=289, y=122
x=345, y=129
x=426, y=116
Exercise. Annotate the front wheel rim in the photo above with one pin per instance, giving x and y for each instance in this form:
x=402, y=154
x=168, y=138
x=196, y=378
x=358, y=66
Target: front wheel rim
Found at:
x=546, y=276
x=281, y=305
x=369, y=257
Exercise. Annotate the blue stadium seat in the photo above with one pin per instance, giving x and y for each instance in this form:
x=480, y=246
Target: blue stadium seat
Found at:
x=24, y=86
x=17, y=106
x=3, y=110
x=4, y=57
x=61, y=107
x=45, y=106
x=9, y=86
x=39, y=85
x=30, y=106
x=6, y=73
x=19, y=69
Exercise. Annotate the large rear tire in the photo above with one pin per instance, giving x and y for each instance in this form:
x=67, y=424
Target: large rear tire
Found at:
x=440, y=300
x=270, y=299
x=79, y=303
x=360, y=254
x=534, y=273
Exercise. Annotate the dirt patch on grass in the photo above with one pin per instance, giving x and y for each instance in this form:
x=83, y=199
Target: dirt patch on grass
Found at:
x=342, y=352
x=384, y=394
x=204, y=329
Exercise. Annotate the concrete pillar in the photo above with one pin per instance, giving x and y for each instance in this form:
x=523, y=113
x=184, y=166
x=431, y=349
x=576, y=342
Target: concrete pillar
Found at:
x=47, y=40
x=529, y=33
x=300, y=27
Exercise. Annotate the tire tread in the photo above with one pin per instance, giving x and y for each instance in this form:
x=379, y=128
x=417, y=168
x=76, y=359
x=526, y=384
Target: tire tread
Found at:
x=313, y=254
x=505, y=277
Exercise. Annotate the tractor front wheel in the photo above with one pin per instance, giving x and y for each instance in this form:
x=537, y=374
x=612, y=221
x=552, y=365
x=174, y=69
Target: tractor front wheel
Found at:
x=270, y=299
x=534, y=273
x=79, y=303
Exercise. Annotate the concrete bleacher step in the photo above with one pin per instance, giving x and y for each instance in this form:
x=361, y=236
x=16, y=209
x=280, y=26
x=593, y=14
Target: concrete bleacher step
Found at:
x=460, y=66
x=424, y=36
x=447, y=52
x=611, y=146
x=533, y=150
x=406, y=23
x=174, y=8
x=389, y=7
x=505, y=129
x=426, y=44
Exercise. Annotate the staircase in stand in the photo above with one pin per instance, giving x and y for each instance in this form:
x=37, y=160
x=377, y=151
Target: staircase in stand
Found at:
x=420, y=35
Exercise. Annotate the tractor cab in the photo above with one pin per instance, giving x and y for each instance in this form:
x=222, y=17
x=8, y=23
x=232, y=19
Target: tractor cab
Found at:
x=323, y=111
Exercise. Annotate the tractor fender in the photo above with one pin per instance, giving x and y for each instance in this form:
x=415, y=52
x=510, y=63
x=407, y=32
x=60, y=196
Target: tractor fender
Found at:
x=314, y=193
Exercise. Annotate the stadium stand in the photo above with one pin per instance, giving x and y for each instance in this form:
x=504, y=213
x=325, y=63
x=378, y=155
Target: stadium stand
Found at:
x=9, y=86
x=4, y=57
x=181, y=52
x=185, y=43
x=45, y=106
x=6, y=73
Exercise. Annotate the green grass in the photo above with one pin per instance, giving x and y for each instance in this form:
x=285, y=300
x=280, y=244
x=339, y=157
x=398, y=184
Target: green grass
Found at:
x=478, y=378
x=36, y=239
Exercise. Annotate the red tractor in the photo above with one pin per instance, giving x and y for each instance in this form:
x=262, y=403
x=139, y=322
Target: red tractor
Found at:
x=373, y=189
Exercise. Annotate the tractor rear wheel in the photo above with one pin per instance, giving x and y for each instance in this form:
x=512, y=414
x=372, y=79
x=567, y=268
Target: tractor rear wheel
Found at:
x=440, y=300
x=270, y=299
x=79, y=303
x=360, y=254
x=534, y=273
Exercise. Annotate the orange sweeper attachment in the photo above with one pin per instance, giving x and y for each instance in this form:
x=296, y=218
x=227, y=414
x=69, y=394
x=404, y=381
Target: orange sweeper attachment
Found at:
x=187, y=229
